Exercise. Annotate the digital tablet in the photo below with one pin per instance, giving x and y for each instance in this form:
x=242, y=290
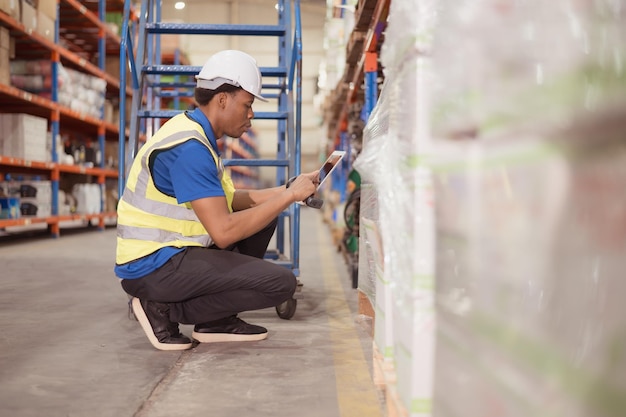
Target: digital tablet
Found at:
x=329, y=165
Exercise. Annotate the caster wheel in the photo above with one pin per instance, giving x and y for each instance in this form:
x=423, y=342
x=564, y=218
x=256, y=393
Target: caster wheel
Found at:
x=287, y=309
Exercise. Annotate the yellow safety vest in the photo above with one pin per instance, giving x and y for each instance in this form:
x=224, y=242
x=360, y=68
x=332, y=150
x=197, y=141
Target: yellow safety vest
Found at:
x=147, y=219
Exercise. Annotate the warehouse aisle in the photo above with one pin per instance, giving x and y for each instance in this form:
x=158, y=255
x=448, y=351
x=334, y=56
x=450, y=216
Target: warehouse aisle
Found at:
x=68, y=347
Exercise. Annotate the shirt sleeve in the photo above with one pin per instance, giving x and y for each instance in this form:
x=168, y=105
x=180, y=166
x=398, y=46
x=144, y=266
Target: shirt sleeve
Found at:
x=194, y=174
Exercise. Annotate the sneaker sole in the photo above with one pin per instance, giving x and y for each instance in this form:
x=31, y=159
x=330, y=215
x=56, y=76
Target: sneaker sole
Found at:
x=227, y=337
x=147, y=328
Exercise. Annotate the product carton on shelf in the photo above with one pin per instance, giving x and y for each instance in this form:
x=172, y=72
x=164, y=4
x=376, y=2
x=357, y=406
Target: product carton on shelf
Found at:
x=111, y=154
x=5, y=37
x=24, y=136
x=28, y=17
x=45, y=26
x=5, y=74
x=48, y=8
x=5, y=53
x=32, y=207
x=38, y=190
x=110, y=200
x=11, y=7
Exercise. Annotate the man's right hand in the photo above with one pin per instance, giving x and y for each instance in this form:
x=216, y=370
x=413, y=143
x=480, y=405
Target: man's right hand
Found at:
x=303, y=186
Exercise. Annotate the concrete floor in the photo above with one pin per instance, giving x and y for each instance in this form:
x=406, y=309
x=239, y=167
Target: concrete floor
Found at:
x=69, y=348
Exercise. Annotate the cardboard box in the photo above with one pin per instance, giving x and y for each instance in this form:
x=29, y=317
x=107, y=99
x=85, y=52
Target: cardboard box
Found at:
x=36, y=191
x=111, y=154
x=5, y=42
x=11, y=48
x=11, y=7
x=48, y=8
x=45, y=26
x=108, y=112
x=29, y=17
x=112, y=67
x=24, y=136
x=111, y=200
x=5, y=74
x=30, y=207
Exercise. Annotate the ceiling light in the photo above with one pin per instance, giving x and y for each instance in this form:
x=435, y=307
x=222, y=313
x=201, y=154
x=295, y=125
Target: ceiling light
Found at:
x=180, y=5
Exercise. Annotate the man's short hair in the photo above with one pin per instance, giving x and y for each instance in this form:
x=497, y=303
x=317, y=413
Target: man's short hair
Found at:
x=204, y=96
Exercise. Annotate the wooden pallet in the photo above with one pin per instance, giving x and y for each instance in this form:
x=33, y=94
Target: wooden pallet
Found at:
x=384, y=375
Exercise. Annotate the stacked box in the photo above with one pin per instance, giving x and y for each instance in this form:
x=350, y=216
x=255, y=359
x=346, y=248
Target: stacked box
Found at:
x=11, y=7
x=45, y=26
x=24, y=136
x=530, y=213
x=48, y=8
x=77, y=90
x=5, y=53
x=530, y=282
x=35, y=198
x=28, y=17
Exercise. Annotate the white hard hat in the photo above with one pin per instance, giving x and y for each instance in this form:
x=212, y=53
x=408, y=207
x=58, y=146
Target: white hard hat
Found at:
x=231, y=67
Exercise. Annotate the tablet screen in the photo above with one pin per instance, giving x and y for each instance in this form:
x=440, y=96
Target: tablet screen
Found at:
x=329, y=165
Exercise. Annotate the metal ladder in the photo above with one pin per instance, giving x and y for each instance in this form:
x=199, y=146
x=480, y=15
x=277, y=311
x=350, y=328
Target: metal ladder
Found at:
x=148, y=88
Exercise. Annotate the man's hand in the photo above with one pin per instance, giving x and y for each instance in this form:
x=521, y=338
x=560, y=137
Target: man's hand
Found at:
x=313, y=176
x=304, y=185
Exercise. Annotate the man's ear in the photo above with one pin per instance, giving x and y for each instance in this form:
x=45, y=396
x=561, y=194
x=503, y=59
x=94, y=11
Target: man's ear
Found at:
x=221, y=99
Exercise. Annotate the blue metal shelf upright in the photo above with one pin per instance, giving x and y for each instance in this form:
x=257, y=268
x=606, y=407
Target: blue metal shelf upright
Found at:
x=285, y=89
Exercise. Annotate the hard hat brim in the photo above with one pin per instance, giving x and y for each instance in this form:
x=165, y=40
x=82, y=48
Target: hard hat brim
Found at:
x=214, y=84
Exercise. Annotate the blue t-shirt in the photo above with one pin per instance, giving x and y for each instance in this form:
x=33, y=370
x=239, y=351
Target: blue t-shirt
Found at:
x=187, y=172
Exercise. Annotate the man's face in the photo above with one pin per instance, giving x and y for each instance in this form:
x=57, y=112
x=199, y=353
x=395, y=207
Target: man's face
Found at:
x=238, y=113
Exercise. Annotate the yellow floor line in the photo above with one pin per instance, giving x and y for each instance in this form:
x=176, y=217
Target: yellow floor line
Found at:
x=356, y=393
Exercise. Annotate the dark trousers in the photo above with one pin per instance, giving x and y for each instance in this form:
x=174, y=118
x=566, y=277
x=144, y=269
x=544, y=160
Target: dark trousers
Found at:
x=205, y=284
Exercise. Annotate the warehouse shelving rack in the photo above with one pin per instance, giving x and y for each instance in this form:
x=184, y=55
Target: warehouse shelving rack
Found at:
x=145, y=59
x=357, y=87
x=81, y=41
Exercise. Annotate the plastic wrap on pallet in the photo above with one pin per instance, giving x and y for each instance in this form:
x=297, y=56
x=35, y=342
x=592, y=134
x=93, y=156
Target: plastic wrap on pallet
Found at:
x=503, y=63
x=403, y=180
x=531, y=243
x=408, y=233
x=368, y=262
x=530, y=259
x=368, y=164
x=397, y=167
x=410, y=29
x=81, y=92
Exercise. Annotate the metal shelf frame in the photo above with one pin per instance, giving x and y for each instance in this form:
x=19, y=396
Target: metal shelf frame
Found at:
x=74, y=19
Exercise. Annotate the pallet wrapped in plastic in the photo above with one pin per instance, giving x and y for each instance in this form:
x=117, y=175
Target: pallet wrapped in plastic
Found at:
x=369, y=167
x=530, y=213
x=398, y=151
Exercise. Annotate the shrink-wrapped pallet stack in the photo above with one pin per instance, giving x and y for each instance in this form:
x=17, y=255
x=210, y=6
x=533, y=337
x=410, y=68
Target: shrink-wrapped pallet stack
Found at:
x=501, y=208
x=529, y=170
x=393, y=161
